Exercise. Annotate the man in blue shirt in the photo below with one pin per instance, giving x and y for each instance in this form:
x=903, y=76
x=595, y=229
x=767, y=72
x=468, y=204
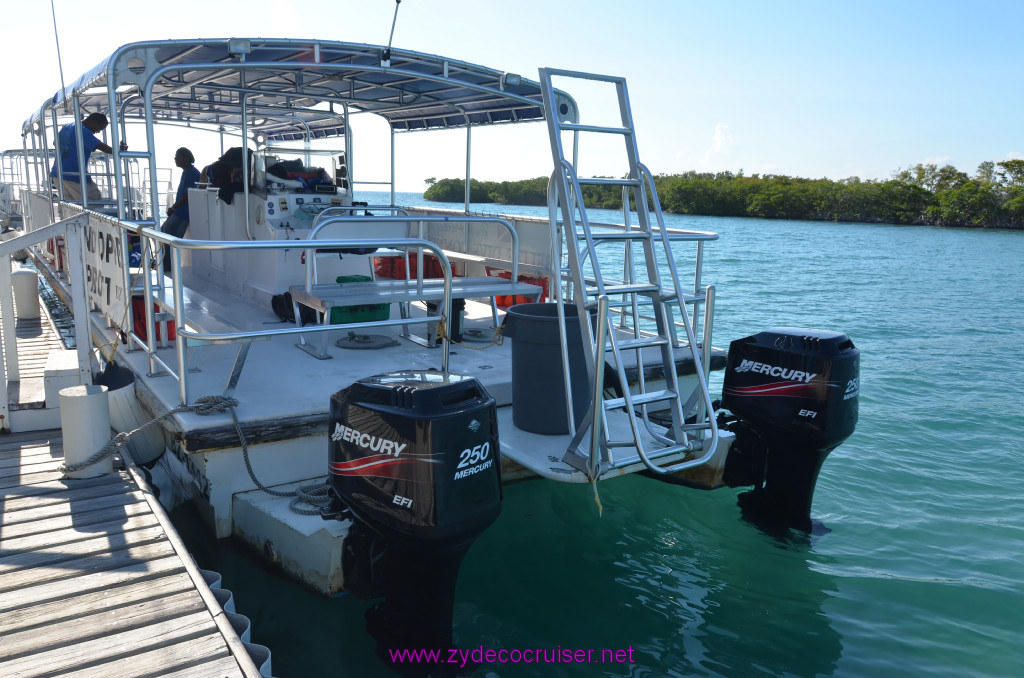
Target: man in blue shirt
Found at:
x=177, y=214
x=67, y=146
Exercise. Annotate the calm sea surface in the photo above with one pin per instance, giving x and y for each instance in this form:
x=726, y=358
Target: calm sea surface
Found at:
x=919, y=575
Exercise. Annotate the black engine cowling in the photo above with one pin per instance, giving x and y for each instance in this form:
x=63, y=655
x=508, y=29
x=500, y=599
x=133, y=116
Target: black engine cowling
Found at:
x=414, y=461
x=793, y=394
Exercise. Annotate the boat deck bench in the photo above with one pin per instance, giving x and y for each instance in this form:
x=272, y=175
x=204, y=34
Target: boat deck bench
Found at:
x=205, y=315
x=324, y=297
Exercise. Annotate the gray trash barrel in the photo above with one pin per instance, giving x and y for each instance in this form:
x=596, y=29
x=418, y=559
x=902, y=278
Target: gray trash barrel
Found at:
x=538, y=384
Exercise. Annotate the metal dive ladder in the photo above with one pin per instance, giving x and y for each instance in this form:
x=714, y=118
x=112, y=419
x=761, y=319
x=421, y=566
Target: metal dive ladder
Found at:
x=619, y=302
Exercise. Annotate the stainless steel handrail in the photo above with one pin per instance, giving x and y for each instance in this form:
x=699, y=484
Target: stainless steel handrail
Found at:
x=342, y=211
x=679, y=234
x=178, y=244
x=709, y=446
x=420, y=221
x=596, y=406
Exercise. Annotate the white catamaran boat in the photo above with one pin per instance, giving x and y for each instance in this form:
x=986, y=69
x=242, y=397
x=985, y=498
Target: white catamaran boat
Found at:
x=406, y=381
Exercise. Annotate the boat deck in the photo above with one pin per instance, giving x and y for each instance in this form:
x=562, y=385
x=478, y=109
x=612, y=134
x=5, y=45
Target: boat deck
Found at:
x=94, y=581
x=284, y=392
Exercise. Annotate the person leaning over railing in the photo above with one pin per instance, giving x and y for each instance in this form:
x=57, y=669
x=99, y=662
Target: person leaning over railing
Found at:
x=67, y=146
x=177, y=214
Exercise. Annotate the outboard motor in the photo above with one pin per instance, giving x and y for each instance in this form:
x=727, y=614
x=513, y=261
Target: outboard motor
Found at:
x=793, y=396
x=414, y=462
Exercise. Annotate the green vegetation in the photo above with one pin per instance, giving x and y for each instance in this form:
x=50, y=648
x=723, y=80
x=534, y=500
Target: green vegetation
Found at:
x=923, y=194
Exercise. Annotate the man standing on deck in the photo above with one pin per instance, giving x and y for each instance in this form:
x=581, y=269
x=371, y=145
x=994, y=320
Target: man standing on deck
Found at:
x=177, y=214
x=67, y=146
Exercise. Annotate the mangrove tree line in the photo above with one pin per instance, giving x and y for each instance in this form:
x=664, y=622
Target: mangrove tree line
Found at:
x=924, y=194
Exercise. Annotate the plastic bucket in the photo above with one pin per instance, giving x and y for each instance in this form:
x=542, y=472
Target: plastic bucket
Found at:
x=538, y=382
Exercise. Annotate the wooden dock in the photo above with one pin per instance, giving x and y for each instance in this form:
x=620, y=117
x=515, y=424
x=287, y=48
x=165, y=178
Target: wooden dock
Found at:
x=94, y=581
x=35, y=338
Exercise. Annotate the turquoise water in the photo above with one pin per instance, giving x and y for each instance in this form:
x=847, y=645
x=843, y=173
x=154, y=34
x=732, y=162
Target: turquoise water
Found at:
x=918, y=572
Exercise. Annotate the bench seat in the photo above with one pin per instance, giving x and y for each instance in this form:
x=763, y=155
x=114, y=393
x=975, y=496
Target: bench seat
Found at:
x=324, y=297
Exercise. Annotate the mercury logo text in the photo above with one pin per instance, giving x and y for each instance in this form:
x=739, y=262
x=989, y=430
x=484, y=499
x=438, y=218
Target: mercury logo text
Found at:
x=475, y=460
x=776, y=371
x=367, y=441
x=852, y=388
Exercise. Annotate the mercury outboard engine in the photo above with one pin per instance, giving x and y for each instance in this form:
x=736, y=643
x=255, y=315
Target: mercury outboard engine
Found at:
x=414, y=462
x=793, y=396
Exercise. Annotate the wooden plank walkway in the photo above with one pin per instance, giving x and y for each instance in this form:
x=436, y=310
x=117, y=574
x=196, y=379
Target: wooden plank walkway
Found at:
x=95, y=583
x=35, y=339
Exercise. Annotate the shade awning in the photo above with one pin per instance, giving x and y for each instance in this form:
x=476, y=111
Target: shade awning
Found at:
x=293, y=89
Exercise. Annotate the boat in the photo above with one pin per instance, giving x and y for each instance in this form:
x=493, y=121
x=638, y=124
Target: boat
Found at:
x=420, y=359
x=15, y=164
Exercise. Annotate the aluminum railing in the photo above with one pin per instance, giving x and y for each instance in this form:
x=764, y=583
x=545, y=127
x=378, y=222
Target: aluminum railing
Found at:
x=674, y=235
x=180, y=372
x=340, y=211
x=420, y=222
x=72, y=229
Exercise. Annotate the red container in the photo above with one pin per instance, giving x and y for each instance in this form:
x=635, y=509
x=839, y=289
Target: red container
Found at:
x=394, y=267
x=505, y=300
x=57, y=248
x=139, y=321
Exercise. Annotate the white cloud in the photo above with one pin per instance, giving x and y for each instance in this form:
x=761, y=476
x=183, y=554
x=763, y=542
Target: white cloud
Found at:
x=722, y=143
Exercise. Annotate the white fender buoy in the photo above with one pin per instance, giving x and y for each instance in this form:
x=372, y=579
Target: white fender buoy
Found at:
x=127, y=414
x=85, y=424
x=260, y=655
x=25, y=283
x=225, y=599
x=241, y=624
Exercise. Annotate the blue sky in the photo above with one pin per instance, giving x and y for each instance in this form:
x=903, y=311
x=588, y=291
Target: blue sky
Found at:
x=813, y=89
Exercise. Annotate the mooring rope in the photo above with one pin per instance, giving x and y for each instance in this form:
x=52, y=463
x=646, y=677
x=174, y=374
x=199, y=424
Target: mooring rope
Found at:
x=315, y=495
x=496, y=340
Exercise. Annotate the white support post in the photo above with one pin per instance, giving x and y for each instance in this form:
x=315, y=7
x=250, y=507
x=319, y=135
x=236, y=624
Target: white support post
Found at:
x=79, y=297
x=5, y=415
x=7, y=312
x=469, y=154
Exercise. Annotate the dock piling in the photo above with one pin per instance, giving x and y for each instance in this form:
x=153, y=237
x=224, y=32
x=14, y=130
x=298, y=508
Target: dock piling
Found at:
x=85, y=424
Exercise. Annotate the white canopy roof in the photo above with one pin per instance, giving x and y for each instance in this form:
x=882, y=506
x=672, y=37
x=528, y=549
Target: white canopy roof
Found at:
x=289, y=86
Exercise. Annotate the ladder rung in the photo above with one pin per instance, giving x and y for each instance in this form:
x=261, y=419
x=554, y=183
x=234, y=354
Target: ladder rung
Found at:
x=668, y=450
x=657, y=453
x=643, y=342
x=595, y=128
x=627, y=304
x=632, y=235
x=640, y=399
x=665, y=296
x=642, y=288
x=605, y=181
